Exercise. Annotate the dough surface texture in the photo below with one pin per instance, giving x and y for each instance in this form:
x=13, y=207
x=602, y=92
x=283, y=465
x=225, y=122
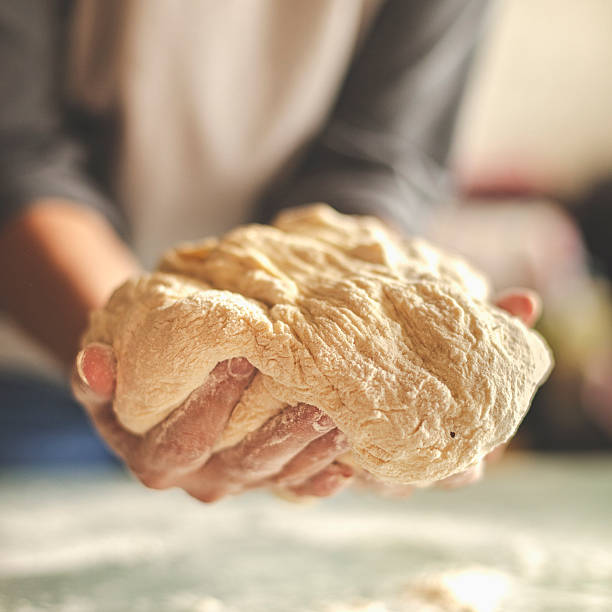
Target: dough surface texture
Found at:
x=392, y=338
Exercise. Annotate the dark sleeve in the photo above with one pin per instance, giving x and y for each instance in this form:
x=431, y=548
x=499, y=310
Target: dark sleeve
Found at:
x=38, y=157
x=385, y=145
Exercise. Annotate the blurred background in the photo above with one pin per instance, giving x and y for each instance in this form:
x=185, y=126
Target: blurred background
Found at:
x=532, y=156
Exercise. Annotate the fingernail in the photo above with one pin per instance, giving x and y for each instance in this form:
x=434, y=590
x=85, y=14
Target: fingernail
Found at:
x=96, y=367
x=78, y=362
x=322, y=422
x=239, y=367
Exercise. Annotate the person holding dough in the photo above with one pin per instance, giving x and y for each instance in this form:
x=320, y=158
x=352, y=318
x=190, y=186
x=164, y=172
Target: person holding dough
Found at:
x=126, y=127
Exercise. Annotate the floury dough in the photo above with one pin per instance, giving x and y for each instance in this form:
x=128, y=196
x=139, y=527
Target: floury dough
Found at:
x=392, y=338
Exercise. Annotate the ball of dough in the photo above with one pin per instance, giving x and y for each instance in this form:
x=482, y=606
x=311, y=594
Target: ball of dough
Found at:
x=392, y=338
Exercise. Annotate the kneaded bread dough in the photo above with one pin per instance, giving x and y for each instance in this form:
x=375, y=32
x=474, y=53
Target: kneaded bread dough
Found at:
x=392, y=338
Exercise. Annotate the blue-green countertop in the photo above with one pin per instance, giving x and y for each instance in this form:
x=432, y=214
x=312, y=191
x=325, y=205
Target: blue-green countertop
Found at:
x=534, y=535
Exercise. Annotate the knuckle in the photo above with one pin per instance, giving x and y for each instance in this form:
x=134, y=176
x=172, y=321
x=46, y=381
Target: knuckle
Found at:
x=248, y=464
x=309, y=418
x=179, y=451
x=243, y=459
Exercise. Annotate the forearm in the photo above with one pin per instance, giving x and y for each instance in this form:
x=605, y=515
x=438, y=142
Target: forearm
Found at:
x=60, y=260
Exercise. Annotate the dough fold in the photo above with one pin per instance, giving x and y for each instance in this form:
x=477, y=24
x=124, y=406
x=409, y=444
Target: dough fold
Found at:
x=393, y=338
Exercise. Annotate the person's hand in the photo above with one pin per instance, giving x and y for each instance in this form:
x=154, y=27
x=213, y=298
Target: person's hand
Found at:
x=521, y=303
x=295, y=450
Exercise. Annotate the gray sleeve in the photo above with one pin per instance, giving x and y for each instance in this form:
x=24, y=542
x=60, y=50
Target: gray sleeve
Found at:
x=385, y=145
x=38, y=157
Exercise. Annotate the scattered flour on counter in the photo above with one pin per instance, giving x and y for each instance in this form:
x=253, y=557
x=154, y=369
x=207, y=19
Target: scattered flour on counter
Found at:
x=473, y=589
x=362, y=606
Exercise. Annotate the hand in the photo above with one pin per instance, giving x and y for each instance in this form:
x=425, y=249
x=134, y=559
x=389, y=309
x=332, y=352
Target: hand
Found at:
x=295, y=450
x=521, y=303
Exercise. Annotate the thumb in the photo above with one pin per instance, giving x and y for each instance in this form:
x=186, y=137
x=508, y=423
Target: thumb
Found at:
x=522, y=303
x=93, y=379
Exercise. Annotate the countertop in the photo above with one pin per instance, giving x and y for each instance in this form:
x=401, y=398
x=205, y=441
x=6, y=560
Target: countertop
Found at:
x=534, y=535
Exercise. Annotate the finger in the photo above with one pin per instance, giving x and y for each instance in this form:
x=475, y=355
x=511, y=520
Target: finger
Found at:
x=184, y=440
x=327, y=482
x=497, y=453
x=367, y=481
x=101, y=414
x=93, y=382
x=122, y=442
x=522, y=303
x=313, y=459
x=464, y=478
x=93, y=379
x=395, y=491
x=261, y=454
